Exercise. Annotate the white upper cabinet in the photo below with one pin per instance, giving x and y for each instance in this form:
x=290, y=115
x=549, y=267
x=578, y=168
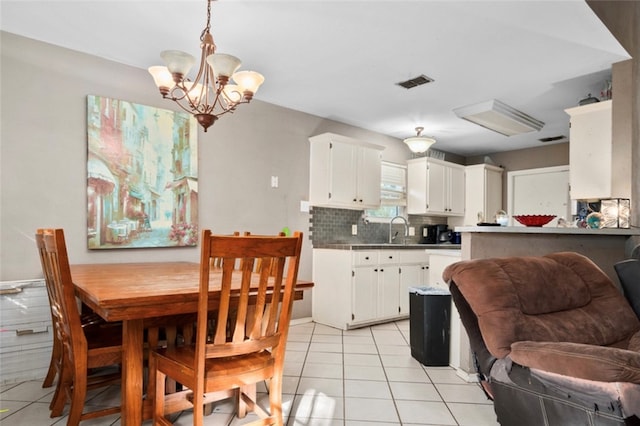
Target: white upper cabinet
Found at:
x=344, y=172
x=590, y=151
x=483, y=193
x=435, y=187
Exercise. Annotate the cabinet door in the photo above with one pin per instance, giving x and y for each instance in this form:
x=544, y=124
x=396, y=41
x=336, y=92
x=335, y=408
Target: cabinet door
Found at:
x=342, y=174
x=364, y=295
x=388, y=297
x=368, y=179
x=417, y=187
x=455, y=191
x=437, y=192
x=319, y=172
x=590, y=151
x=492, y=193
x=410, y=276
x=437, y=265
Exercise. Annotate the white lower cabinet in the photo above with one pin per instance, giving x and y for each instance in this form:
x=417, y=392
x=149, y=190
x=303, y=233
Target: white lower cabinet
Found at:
x=364, y=285
x=354, y=288
x=414, y=272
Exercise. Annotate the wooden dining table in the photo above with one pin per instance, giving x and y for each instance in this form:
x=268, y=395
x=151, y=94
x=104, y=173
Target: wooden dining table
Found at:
x=134, y=293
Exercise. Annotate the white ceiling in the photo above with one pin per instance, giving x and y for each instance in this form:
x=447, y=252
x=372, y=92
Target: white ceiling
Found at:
x=341, y=59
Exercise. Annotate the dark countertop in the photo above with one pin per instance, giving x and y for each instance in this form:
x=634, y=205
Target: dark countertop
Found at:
x=386, y=246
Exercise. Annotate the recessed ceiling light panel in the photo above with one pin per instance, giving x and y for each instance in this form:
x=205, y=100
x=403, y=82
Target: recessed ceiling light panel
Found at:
x=499, y=117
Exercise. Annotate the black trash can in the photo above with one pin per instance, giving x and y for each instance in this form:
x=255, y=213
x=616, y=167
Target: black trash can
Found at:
x=430, y=325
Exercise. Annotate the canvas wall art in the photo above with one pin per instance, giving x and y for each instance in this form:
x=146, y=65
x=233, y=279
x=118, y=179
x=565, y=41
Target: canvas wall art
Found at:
x=142, y=176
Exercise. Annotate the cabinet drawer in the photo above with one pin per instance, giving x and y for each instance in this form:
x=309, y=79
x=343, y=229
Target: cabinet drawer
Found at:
x=413, y=256
x=387, y=257
x=364, y=258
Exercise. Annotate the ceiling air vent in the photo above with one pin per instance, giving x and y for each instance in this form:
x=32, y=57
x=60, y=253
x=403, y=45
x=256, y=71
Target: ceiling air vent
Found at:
x=554, y=139
x=415, y=82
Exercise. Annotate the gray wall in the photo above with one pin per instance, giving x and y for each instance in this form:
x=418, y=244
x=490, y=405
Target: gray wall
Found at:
x=43, y=156
x=524, y=159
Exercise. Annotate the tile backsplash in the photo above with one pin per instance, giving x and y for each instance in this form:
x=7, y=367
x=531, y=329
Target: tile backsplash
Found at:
x=333, y=226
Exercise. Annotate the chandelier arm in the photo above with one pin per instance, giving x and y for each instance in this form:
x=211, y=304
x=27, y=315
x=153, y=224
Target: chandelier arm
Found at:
x=178, y=101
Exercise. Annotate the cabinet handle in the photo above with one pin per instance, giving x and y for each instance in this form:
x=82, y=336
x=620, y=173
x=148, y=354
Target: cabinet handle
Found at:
x=366, y=258
x=361, y=201
x=12, y=290
x=390, y=257
x=381, y=270
x=30, y=331
x=355, y=199
x=375, y=270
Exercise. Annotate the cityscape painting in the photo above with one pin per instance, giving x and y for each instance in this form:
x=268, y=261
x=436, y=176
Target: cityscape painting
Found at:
x=142, y=176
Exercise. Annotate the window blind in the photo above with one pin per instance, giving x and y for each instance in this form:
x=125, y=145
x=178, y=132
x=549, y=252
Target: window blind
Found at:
x=393, y=184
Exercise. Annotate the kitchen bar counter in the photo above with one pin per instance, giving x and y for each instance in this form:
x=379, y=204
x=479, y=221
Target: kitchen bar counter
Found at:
x=387, y=246
x=547, y=230
x=604, y=246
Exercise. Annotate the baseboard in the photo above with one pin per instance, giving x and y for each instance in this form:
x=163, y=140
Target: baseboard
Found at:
x=299, y=321
x=467, y=377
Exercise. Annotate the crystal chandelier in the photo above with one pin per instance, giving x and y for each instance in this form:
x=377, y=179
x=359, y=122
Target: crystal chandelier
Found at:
x=419, y=143
x=217, y=88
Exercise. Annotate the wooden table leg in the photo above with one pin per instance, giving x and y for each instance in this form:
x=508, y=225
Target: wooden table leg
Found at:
x=132, y=370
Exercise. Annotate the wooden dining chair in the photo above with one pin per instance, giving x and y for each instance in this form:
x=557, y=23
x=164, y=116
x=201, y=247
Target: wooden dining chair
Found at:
x=88, y=318
x=245, y=346
x=81, y=349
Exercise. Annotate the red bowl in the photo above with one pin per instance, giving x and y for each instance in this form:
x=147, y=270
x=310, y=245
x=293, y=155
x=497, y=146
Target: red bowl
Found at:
x=534, y=219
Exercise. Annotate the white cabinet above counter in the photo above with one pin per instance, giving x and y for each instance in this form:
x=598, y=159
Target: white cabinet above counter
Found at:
x=344, y=172
x=600, y=165
x=435, y=187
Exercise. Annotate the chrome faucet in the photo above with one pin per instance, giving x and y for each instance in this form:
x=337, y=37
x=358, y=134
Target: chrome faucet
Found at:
x=406, y=229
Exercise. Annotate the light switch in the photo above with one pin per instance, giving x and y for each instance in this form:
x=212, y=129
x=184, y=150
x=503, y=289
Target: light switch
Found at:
x=274, y=181
x=412, y=231
x=354, y=229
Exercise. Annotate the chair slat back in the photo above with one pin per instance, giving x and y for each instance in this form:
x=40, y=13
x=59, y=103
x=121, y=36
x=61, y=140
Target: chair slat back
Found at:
x=61, y=292
x=255, y=306
x=46, y=272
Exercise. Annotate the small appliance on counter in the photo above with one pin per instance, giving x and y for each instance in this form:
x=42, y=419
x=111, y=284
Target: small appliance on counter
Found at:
x=435, y=234
x=456, y=238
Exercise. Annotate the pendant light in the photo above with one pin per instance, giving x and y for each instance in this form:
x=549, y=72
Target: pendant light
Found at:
x=419, y=143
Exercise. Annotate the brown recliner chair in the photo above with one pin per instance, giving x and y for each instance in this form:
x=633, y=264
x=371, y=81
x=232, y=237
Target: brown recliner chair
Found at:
x=555, y=341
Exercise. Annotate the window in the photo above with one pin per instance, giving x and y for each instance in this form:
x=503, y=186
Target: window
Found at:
x=393, y=193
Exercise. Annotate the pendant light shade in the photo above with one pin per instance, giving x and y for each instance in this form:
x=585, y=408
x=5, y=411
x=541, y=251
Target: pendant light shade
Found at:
x=418, y=143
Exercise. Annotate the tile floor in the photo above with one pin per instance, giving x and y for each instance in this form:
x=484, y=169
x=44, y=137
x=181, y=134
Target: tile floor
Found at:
x=332, y=378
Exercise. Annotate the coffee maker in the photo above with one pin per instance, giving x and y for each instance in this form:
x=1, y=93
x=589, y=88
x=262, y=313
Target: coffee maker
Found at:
x=435, y=234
